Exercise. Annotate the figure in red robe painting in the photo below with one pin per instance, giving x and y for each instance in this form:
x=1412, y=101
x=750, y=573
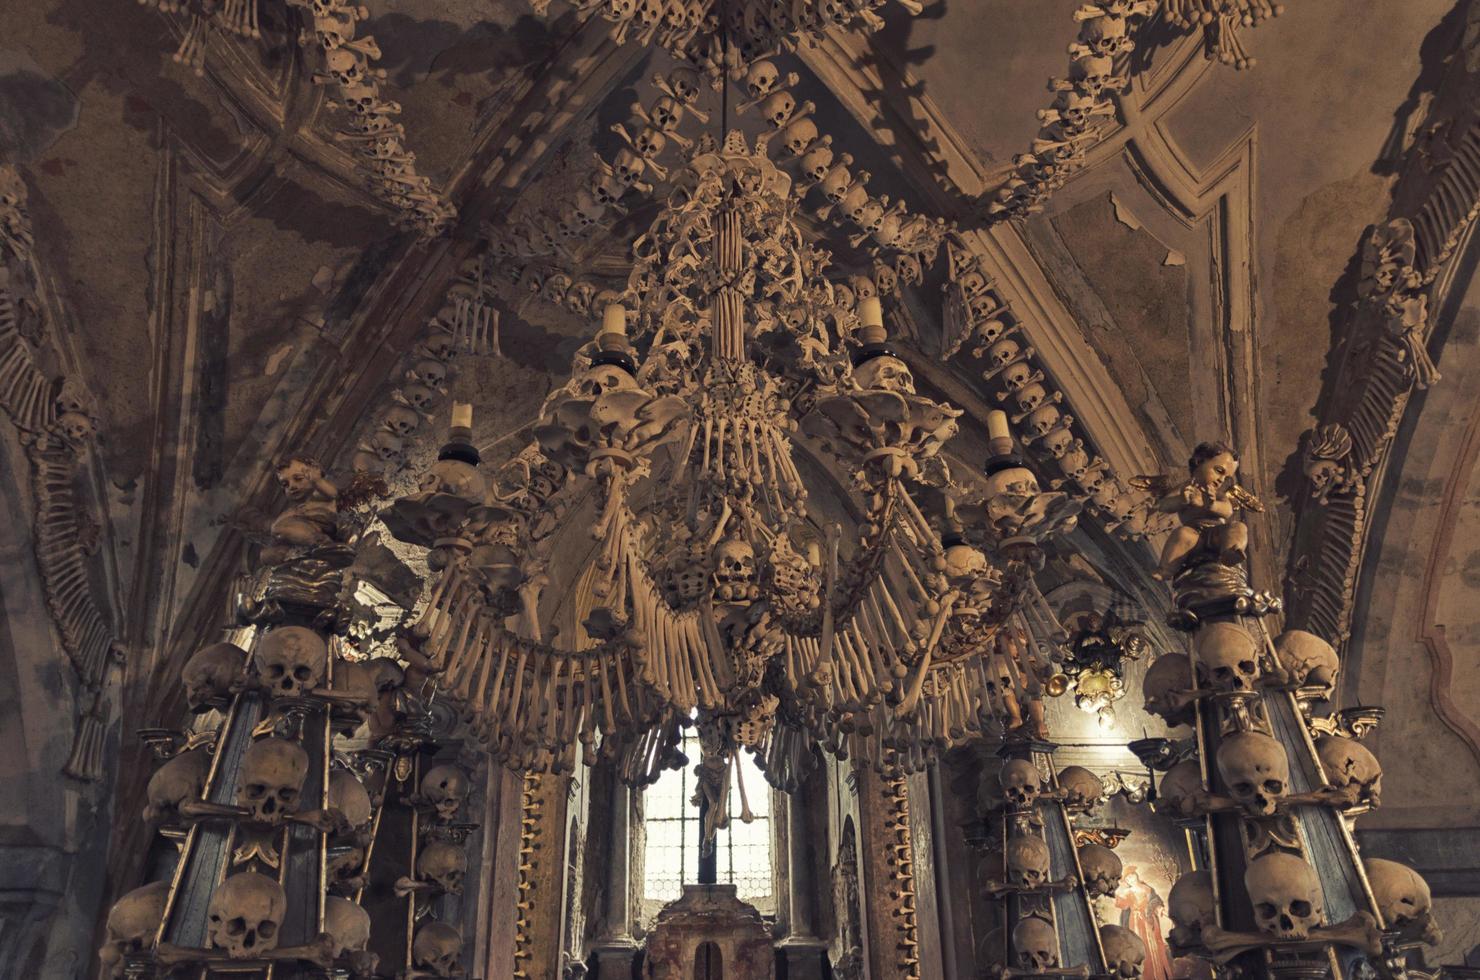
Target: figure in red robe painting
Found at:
x=1141, y=913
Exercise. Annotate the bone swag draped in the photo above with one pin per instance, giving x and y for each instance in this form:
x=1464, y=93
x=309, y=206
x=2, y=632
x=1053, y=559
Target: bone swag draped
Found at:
x=729, y=379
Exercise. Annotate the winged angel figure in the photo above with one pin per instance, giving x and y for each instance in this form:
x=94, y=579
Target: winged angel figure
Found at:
x=1205, y=504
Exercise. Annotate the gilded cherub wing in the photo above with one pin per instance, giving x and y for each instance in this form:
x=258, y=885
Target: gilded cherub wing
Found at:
x=1156, y=484
x=1245, y=499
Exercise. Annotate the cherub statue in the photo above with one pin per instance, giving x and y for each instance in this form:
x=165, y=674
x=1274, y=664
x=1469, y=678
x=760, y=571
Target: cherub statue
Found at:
x=313, y=505
x=1205, y=505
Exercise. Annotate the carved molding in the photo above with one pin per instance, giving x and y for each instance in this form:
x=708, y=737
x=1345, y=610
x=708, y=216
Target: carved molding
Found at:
x=1429, y=630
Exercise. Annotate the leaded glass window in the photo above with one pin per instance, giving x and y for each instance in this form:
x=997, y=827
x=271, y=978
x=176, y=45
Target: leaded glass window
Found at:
x=671, y=851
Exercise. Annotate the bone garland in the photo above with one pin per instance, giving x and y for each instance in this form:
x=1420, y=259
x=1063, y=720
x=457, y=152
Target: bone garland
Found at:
x=56, y=420
x=883, y=228
x=1070, y=125
x=723, y=39
x=1220, y=22
x=382, y=160
x=199, y=21
x=464, y=326
x=528, y=245
x=975, y=311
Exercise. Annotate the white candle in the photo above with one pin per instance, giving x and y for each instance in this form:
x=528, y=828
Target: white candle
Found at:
x=614, y=319
x=462, y=415
x=997, y=425
x=871, y=312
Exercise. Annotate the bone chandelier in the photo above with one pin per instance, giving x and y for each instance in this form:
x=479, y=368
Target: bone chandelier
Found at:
x=728, y=369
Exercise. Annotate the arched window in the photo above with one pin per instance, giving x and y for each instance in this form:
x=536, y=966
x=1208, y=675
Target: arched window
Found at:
x=671, y=849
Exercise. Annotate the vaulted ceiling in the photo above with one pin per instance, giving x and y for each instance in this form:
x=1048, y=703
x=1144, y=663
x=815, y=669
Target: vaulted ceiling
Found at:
x=230, y=289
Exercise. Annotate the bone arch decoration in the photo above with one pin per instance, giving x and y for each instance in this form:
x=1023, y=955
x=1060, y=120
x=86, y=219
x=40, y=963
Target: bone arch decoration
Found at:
x=56, y=423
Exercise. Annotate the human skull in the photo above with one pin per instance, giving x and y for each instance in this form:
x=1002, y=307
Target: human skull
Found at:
x=436, y=948
x=855, y=200
x=1027, y=861
x=291, y=660
x=1080, y=788
x=1191, y=906
x=605, y=188
x=362, y=99
x=761, y=79
x=1349, y=765
x=1092, y=74
x=1059, y=442
x=75, y=427
x=1308, y=659
x=838, y=180
x=885, y=374
x=666, y=113
x=348, y=924
x=1021, y=783
x=908, y=269
x=1017, y=375
x=345, y=66
x=1402, y=896
x=273, y=771
x=429, y=371
x=180, y=780
x=1074, y=111
x=798, y=136
x=1169, y=674
x=419, y=396
x=210, y=673
x=132, y=924
x=1181, y=791
x=348, y=795
x=402, y=420
x=1101, y=867
x=817, y=161
x=1124, y=951
x=650, y=142
x=387, y=446
x=734, y=570
x=245, y=914
x=778, y=108
x=443, y=863
x=1228, y=656
x=1105, y=36
x=1030, y=397
x=1286, y=894
x=628, y=167
x=578, y=298
x=1036, y=944
x=1256, y=771
x=445, y=786
x=685, y=84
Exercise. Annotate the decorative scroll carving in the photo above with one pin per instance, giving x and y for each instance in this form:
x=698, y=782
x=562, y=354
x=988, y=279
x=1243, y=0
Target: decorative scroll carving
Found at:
x=56, y=422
